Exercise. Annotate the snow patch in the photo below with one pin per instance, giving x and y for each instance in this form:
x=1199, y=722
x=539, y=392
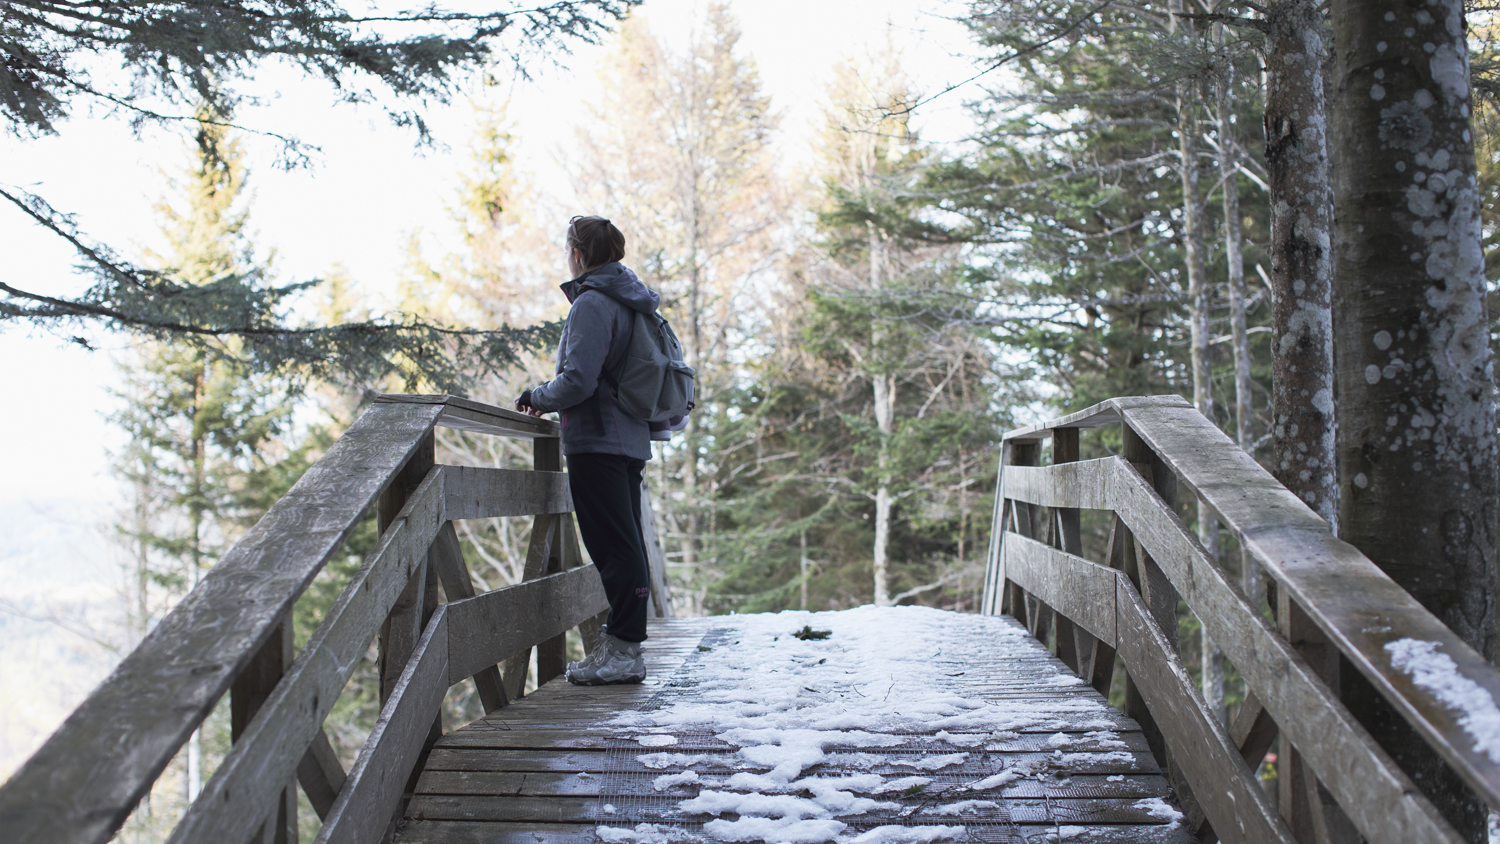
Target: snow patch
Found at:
x=777, y=830
x=801, y=705
x=962, y=806
x=646, y=833
x=666, y=781
x=1159, y=809
x=1438, y=673
x=995, y=781
x=656, y=740
x=908, y=834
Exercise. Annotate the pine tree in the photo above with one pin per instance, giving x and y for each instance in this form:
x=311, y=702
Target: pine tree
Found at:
x=199, y=432
x=848, y=471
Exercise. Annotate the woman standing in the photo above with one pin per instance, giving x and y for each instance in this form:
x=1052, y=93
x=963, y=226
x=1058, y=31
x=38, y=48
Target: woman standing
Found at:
x=606, y=448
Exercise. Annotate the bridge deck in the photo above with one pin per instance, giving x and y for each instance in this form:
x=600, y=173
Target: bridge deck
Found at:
x=904, y=725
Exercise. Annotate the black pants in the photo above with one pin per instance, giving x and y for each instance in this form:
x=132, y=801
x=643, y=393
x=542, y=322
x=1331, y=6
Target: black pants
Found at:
x=607, y=499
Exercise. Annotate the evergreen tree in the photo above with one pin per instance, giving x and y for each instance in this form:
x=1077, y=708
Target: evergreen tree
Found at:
x=200, y=433
x=851, y=467
x=182, y=51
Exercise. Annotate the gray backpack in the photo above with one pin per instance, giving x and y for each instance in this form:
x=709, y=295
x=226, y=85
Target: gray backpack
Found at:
x=652, y=382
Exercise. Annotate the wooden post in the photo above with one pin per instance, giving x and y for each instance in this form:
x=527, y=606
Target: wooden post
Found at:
x=446, y=557
x=661, y=592
x=249, y=691
x=1074, y=644
x=1161, y=598
x=1309, y=810
x=543, y=556
x=402, y=629
x=1013, y=597
x=994, y=597
x=590, y=628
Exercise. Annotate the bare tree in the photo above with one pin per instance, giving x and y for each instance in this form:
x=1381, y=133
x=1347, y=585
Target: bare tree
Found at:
x=699, y=201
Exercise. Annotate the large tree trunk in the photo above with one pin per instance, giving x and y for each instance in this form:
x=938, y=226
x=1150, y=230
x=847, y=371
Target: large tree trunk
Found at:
x=1416, y=439
x=1302, y=391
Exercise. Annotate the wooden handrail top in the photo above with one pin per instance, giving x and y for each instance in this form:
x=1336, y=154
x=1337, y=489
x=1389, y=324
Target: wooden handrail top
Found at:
x=469, y=415
x=84, y=781
x=1368, y=616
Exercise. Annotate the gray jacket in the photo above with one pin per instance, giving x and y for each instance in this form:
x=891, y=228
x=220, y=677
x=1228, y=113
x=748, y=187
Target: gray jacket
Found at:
x=594, y=339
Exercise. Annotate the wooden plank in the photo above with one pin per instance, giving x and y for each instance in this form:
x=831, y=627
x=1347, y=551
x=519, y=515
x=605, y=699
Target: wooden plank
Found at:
x=544, y=547
x=1065, y=485
x=1253, y=730
x=321, y=775
x=486, y=628
x=994, y=567
x=446, y=557
x=246, y=696
x=375, y=784
x=1061, y=764
x=402, y=629
x=274, y=743
x=87, y=778
x=656, y=559
x=568, y=809
x=552, y=653
x=1222, y=782
x=1079, y=589
x=469, y=415
x=1101, y=414
x=471, y=832
x=572, y=785
x=1357, y=606
x=598, y=734
x=481, y=492
x=1381, y=800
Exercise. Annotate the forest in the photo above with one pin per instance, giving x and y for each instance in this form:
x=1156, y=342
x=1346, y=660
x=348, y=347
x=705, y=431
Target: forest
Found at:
x=1160, y=197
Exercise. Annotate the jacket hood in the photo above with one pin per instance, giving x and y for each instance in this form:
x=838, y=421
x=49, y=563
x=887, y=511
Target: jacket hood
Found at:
x=616, y=281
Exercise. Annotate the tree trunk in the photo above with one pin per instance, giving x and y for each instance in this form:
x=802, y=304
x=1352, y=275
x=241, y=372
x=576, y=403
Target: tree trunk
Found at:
x=1193, y=246
x=884, y=385
x=884, y=417
x=1229, y=167
x=802, y=567
x=1416, y=439
x=1302, y=392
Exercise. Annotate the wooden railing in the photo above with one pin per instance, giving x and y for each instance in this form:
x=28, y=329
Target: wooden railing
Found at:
x=1331, y=607
x=233, y=634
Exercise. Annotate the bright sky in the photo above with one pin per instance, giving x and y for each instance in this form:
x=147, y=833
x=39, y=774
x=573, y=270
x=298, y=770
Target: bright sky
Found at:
x=368, y=192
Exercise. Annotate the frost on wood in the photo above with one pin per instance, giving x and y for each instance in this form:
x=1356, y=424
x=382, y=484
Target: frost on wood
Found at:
x=1438, y=674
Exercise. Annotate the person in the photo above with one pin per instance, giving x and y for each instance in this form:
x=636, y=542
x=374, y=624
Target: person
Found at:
x=606, y=449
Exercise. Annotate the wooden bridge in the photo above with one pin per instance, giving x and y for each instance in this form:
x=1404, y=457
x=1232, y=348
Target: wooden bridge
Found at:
x=901, y=724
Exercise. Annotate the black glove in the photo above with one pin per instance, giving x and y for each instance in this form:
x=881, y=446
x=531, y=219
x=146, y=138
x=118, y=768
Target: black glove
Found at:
x=525, y=399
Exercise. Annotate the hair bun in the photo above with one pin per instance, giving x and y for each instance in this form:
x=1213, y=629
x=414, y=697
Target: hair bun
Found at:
x=597, y=239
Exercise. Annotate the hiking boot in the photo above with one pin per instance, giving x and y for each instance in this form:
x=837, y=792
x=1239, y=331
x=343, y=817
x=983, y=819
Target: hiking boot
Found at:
x=619, y=662
x=598, y=654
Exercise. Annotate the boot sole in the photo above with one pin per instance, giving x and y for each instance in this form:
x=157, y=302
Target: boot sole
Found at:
x=627, y=680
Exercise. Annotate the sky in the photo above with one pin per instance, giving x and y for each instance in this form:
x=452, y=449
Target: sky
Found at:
x=367, y=193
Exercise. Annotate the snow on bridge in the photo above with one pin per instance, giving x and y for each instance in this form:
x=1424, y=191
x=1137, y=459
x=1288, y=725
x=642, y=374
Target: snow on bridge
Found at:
x=905, y=724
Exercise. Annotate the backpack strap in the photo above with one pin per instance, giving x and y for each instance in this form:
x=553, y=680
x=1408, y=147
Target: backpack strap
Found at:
x=612, y=378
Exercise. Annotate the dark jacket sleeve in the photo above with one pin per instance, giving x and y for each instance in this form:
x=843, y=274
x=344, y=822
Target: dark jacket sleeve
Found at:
x=586, y=344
